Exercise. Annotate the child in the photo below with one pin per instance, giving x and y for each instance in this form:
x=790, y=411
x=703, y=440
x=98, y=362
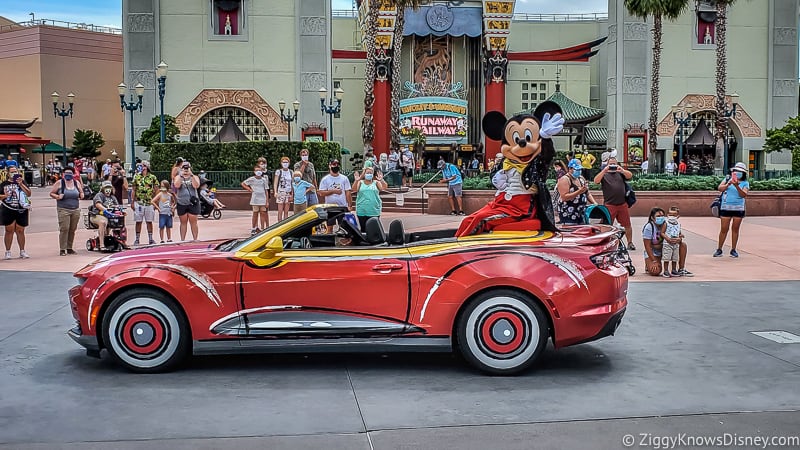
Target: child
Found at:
x=165, y=203
x=301, y=189
x=283, y=188
x=258, y=186
x=209, y=197
x=671, y=230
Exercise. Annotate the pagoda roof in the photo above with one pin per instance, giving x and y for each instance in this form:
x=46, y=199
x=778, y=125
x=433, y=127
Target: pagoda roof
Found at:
x=594, y=136
x=574, y=112
x=701, y=137
x=230, y=132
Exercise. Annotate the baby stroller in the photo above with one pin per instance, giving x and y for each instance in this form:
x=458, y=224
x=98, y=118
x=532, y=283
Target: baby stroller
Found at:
x=115, y=241
x=207, y=208
x=598, y=214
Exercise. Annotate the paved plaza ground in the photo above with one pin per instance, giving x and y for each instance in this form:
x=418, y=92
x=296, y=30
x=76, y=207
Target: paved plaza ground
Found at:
x=684, y=363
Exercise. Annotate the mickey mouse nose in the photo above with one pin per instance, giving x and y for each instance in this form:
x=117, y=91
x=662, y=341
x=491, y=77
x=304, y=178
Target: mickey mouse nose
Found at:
x=522, y=142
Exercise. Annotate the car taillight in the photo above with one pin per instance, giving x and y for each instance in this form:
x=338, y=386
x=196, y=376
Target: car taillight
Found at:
x=605, y=260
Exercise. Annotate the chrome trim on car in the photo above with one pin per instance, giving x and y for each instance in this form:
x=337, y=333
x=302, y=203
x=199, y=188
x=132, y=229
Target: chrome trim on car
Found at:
x=313, y=345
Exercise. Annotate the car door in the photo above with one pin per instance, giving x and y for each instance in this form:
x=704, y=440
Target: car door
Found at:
x=327, y=291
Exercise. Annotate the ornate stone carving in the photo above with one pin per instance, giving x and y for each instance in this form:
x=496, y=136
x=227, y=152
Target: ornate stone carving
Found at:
x=635, y=31
x=784, y=88
x=209, y=99
x=611, y=86
x=634, y=85
x=785, y=36
x=496, y=68
x=694, y=103
x=313, y=26
x=383, y=66
x=611, y=137
x=439, y=18
x=146, y=77
x=140, y=23
x=312, y=81
x=612, y=33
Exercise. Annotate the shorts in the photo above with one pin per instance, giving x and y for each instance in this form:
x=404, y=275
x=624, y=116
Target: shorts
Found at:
x=9, y=216
x=311, y=198
x=670, y=252
x=408, y=173
x=454, y=190
x=188, y=209
x=300, y=207
x=165, y=221
x=144, y=213
x=284, y=197
x=259, y=208
x=724, y=213
x=620, y=213
x=98, y=219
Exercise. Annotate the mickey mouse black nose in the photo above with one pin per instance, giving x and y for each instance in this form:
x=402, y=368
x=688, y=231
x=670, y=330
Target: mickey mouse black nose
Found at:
x=521, y=142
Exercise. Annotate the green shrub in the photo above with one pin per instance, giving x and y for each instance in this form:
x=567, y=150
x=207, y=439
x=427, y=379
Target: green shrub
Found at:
x=211, y=156
x=670, y=183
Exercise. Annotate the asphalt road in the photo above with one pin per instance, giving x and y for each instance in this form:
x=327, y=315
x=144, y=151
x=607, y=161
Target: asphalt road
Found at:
x=683, y=364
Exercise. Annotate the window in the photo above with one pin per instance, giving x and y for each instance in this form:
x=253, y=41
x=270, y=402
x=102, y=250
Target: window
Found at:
x=542, y=86
x=524, y=106
x=210, y=125
x=524, y=95
x=542, y=96
x=533, y=93
x=228, y=19
x=524, y=86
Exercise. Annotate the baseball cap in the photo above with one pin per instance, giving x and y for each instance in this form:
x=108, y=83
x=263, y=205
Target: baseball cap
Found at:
x=574, y=164
x=334, y=162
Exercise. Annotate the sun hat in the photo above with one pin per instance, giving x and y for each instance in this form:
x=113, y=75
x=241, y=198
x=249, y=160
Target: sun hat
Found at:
x=740, y=166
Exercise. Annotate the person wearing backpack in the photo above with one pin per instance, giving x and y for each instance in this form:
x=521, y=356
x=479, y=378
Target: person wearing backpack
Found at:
x=612, y=179
x=573, y=196
x=67, y=193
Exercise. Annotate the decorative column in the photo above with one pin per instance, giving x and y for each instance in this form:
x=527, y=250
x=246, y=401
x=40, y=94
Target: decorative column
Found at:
x=382, y=109
x=496, y=29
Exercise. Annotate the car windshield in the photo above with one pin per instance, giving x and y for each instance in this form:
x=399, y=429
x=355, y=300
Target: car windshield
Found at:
x=237, y=244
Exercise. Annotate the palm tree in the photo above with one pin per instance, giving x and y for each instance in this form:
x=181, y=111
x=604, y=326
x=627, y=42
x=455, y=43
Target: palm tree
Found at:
x=659, y=10
x=720, y=26
x=367, y=124
x=397, y=48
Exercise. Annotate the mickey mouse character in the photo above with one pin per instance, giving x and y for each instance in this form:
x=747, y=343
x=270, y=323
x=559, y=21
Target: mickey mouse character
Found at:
x=527, y=154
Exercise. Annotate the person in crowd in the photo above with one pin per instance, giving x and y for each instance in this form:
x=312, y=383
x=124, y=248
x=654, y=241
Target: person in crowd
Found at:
x=14, y=209
x=188, y=199
x=78, y=166
x=496, y=164
x=559, y=169
x=670, y=167
x=300, y=189
x=369, y=159
x=165, y=202
x=11, y=162
x=573, y=195
x=308, y=175
x=102, y=209
x=604, y=157
x=207, y=195
x=653, y=241
x=645, y=166
x=67, y=194
x=176, y=168
x=734, y=188
x=282, y=187
x=368, y=201
x=120, y=181
x=383, y=163
x=673, y=236
x=394, y=167
x=145, y=185
x=335, y=188
x=587, y=162
x=407, y=159
x=682, y=167
x=258, y=186
x=474, y=166
x=612, y=180
x=452, y=176
x=262, y=163
x=89, y=169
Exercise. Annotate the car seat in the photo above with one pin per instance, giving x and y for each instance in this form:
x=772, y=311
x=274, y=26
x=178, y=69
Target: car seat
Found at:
x=375, y=233
x=396, y=233
x=521, y=225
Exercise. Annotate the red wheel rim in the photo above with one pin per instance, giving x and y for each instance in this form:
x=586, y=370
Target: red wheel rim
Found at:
x=502, y=332
x=142, y=333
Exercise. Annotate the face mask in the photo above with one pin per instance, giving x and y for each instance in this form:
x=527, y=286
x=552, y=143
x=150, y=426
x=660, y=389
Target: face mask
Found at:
x=576, y=173
x=660, y=220
x=335, y=169
x=672, y=217
x=296, y=179
x=163, y=189
x=262, y=165
x=304, y=157
x=368, y=176
x=259, y=173
x=68, y=176
x=285, y=165
x=107, y=191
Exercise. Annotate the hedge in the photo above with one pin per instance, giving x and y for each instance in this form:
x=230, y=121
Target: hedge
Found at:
x=677, y=183
x=240, y=155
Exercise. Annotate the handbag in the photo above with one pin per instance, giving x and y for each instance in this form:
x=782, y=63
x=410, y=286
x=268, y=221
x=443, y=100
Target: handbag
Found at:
x=715, y=206
x=630, y=195
x=194, y=201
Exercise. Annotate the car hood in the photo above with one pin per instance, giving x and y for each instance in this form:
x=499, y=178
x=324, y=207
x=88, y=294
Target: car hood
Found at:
x=155, y=253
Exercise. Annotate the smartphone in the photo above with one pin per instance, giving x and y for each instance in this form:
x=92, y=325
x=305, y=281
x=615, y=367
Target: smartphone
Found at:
x=734, y=176
x=613, y=167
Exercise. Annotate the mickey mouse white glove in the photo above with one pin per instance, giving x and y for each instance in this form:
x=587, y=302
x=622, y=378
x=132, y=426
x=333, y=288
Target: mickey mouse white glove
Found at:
x=551, y=126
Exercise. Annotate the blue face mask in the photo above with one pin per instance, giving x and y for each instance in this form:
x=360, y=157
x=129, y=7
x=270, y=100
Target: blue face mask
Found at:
x=660, y=220
x=576, y=173
x=296, y=179
x=68, y=176
x=368, y=176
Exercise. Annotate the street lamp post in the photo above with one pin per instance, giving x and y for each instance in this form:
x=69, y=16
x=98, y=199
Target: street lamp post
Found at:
x=161, y=73
x=331, y=109
x=682, y=119
x=727, y=114
x=63, y=112
x=288, y=117
x=131, y=106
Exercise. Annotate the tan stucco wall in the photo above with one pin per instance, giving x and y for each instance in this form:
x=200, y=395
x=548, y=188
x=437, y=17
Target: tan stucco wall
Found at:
x=21, y=78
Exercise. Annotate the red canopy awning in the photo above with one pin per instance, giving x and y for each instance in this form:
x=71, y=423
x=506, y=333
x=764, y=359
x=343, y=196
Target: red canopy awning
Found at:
x=18, y=138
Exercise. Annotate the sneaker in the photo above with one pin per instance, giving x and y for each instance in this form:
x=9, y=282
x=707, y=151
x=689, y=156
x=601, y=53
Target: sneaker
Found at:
x=666, y=275
x=253, y=231
x=631, y=246
x=71, y=252
x=162, y=242
x=685, y=273
x=453, y=213
x=62, y=253
x=676, y=273
x=152, y=242
x=136, y=242
x=8, y=255
x=23, y=254
x=734, y=254
x=169, y=240
x=462, y=213
x=718, y=253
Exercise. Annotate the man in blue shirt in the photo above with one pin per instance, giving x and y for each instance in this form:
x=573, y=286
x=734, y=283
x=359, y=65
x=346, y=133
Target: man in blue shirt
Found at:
x=452, y=176
x=11, y=163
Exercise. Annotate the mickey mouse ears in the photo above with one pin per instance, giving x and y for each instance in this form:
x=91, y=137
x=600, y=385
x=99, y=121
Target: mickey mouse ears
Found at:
x=547, y=107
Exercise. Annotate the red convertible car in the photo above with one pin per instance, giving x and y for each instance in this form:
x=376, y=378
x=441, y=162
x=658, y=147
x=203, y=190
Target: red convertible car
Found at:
x=497, y=298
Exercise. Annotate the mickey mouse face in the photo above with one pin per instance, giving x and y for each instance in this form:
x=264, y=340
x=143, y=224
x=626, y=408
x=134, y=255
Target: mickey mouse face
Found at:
x=521, y=141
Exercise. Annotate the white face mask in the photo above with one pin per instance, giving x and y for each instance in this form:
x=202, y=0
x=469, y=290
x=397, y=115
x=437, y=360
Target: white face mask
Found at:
x=285, y=165
x=304, y=157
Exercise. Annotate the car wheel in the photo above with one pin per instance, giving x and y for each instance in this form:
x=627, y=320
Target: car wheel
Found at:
x=145, y=331
x=217, y=214
x=90, y=244
x=502, y=332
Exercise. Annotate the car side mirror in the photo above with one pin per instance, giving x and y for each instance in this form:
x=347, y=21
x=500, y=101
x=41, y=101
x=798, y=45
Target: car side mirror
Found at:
x=274, y=246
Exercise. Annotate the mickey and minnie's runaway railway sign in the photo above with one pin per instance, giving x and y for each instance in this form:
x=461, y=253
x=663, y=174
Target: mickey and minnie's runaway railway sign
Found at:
x=440, y=119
